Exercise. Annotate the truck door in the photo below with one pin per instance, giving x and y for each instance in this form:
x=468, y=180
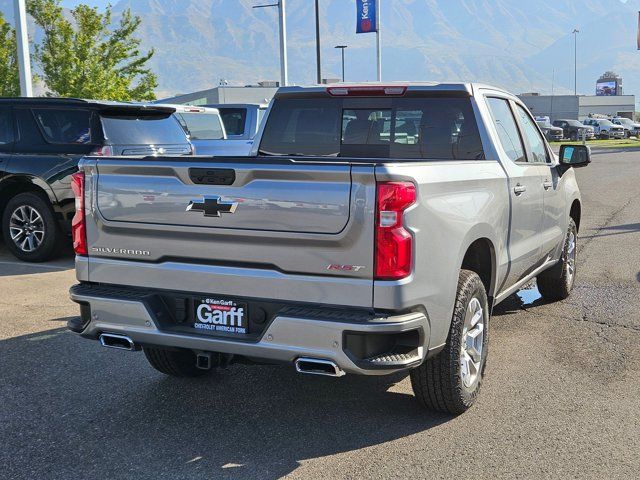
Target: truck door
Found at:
x=525, y=179
x=554, y=210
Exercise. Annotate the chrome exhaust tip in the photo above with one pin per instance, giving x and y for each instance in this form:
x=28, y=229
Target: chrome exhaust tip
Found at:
x=317, y=366
x=120, y=342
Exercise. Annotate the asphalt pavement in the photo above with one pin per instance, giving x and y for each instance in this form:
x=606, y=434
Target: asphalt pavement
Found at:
x=560, y=398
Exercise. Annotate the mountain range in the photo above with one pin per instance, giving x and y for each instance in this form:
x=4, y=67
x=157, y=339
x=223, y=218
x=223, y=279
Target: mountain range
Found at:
x=522, y=46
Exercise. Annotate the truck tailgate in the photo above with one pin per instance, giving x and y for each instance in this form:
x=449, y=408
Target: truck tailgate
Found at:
x=284, y=198
x=267, y=228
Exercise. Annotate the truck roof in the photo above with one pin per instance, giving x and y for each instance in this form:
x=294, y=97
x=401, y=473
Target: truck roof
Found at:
x=189, y=108
x=450, y=87
x=236, y=105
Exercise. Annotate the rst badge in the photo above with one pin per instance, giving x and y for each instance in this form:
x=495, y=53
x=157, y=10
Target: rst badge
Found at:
x=345, y=268
x=212, y=206
x=218, y=315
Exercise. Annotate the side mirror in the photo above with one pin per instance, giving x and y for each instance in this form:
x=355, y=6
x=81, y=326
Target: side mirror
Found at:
x=575, y=155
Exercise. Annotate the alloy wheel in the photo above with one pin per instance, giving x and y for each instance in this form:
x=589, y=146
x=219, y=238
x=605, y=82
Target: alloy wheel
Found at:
x=26, y=228
x=472, y=344
x=571, y=256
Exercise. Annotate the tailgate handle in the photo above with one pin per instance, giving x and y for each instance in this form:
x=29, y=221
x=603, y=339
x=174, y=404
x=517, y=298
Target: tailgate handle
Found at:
x=212, y=176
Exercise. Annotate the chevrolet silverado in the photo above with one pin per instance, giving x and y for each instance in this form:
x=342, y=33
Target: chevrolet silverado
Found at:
x=372, y=230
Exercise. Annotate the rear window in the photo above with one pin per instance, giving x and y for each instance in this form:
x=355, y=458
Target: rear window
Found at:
x=438, y=128
x=234, y=120
x=136, y=130
x=64, y=126
x=201, y=126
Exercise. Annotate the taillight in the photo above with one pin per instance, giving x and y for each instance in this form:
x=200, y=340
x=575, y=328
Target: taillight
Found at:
x=104, y=151
x=78, y=224
x=394, y=243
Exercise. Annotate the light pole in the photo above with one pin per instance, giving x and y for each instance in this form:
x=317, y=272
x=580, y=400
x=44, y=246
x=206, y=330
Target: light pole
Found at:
x=318, y=63
x=284, y=74
x=24, y=63
x=342, y=47
x=575, y=60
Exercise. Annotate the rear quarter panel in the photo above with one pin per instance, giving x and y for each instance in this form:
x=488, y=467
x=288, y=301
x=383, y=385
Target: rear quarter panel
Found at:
x=458, y=202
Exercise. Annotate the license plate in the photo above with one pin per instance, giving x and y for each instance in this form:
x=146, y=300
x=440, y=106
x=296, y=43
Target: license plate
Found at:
x=218, y=315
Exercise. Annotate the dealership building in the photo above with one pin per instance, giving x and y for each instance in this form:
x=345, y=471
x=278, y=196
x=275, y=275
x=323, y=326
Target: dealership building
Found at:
x=261, y=93
x=609, y=101
x=579, y=107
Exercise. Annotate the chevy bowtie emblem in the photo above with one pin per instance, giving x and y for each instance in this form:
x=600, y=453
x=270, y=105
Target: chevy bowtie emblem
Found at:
x=212, y=206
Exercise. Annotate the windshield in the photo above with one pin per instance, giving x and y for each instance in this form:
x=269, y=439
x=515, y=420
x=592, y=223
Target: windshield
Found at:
x=575, y=123
x=545, y=124
x=201, y=126
x=605, y=122
x=136, y=130
x=413, y=128
x=624, y=121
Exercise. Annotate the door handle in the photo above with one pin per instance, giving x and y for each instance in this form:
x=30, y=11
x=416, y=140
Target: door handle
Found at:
x=519, y=189
x=547, y=184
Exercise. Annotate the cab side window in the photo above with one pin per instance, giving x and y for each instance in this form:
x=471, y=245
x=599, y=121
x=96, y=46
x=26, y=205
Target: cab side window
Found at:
x=507, y=129
x=536, y=142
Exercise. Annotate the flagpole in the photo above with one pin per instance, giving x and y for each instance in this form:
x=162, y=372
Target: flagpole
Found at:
x=378, y=47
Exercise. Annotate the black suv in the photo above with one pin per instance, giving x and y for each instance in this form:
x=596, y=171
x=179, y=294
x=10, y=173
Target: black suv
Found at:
x=41, y=142
x=573, y=129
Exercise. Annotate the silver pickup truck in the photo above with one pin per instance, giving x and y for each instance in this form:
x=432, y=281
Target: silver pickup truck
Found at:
x=372, y=231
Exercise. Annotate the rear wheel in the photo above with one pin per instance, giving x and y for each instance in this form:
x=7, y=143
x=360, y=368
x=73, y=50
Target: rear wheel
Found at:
x=30, y=229
x=450, y=381
x=176, y=362
x=557, y=282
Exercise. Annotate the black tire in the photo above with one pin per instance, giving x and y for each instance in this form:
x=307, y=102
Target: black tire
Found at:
x=574, y=136
x=557, y=282
x=49, y=244
x=176, y=362
x=438, y=383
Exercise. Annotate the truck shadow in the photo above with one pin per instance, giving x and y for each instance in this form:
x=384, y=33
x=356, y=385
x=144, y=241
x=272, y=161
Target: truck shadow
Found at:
x=89, y=412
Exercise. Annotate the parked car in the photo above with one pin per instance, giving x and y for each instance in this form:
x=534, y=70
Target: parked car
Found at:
x=605, y=128
x=553, y=134
x=41, y=141
x=204, y=128
x=241, y=122
x=631, y=128
x=355, y=254
x=574, y=130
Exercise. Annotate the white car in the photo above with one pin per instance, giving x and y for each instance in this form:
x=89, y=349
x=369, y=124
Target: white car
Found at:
x=631, y=128
x=605, y=128
x=204, y=128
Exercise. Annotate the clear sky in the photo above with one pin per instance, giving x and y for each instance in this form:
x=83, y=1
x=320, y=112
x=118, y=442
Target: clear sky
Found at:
x=93, y=3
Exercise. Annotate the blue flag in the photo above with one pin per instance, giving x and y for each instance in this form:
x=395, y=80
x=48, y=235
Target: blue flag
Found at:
x=367, y=16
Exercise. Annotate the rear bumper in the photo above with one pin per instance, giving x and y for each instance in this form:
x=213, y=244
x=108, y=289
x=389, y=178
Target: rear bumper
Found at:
x=348, y=340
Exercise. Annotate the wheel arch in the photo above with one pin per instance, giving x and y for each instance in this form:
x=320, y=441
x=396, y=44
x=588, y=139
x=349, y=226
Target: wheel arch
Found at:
x=480, y=258
x=576, y=212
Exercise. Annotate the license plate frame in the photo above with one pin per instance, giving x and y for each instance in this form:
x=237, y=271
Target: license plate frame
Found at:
x=217, y=315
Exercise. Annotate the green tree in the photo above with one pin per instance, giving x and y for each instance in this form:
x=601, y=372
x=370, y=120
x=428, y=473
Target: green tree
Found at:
x=9, y=79
x=86, y=57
